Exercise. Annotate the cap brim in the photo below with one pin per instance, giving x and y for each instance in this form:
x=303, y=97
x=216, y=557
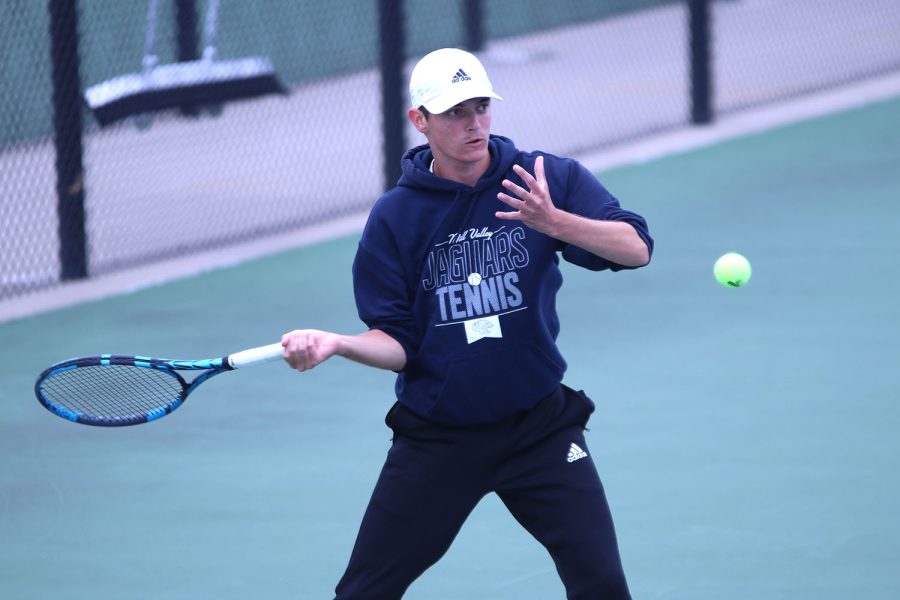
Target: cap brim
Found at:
x=445, y=102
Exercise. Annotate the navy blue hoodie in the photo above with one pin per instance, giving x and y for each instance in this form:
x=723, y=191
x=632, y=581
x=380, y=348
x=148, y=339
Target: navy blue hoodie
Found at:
x=470, y=297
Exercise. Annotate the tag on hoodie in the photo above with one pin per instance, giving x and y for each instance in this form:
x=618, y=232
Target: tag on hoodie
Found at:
x=483, y=327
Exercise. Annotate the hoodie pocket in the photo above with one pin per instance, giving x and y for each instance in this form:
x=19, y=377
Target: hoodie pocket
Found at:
x=490, y=387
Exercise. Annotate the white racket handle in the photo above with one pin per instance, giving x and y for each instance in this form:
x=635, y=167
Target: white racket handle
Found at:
x=255, y=356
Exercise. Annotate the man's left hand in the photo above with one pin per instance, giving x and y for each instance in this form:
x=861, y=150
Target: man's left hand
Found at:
x=533, y=206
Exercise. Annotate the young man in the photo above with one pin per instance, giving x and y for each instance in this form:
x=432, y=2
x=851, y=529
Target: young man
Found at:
x=456, y=276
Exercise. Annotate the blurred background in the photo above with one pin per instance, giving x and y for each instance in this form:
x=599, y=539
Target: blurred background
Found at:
x=747, y=439
x=80, y=200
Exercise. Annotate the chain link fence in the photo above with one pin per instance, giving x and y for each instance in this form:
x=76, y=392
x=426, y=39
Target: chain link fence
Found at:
x=577, y=76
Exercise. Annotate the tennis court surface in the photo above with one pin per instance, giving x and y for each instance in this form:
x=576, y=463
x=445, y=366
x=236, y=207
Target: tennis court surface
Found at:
x=747, y=438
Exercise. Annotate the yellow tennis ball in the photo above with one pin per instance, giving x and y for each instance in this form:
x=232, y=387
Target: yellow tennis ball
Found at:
x=732, y=270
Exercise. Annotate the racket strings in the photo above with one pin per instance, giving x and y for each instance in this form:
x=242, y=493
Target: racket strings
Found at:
x=112, y=391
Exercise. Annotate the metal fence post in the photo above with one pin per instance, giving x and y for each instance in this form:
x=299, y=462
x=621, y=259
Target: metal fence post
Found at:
x=701, y=76
x=67, y=137
x=474, y=25
x=392, y=38
x=187, y=40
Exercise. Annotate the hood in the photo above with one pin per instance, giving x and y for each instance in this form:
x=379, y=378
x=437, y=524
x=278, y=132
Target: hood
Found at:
x=416, y=162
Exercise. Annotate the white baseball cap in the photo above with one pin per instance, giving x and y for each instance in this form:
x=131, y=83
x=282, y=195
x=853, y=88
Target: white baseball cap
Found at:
x=444, y=78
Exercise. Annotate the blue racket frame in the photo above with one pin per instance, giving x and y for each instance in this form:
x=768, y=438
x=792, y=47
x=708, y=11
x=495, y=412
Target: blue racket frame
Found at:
x=211, y=366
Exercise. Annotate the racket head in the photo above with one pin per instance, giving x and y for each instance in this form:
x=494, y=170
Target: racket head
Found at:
x=112, y=390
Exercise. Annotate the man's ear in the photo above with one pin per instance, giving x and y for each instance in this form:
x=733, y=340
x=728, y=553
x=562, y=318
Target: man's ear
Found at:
x=417, y=118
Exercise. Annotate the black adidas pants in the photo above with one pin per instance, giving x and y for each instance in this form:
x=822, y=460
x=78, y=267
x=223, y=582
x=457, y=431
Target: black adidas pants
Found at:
x=434, y=476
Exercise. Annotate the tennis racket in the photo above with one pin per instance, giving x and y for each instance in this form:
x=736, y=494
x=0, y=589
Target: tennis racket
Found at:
x=112, y=390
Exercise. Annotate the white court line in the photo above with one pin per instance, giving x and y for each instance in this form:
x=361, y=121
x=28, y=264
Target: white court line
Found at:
x=132, y=280
x=745, y=123
x=683, y=140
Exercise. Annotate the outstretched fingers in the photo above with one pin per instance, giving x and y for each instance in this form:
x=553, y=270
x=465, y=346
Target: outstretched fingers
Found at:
x=533, y=205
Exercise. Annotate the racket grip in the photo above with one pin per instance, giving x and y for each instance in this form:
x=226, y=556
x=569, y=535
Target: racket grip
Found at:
x=255, y=356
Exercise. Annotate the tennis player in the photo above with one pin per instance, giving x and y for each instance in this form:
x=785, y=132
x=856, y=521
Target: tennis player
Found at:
x=456, y=277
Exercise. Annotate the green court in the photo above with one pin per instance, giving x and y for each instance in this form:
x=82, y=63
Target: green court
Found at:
x=748, y=439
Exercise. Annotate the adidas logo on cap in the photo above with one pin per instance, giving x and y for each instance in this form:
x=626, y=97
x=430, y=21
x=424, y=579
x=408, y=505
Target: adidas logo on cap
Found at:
x=460, y=76
x=575, y=453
